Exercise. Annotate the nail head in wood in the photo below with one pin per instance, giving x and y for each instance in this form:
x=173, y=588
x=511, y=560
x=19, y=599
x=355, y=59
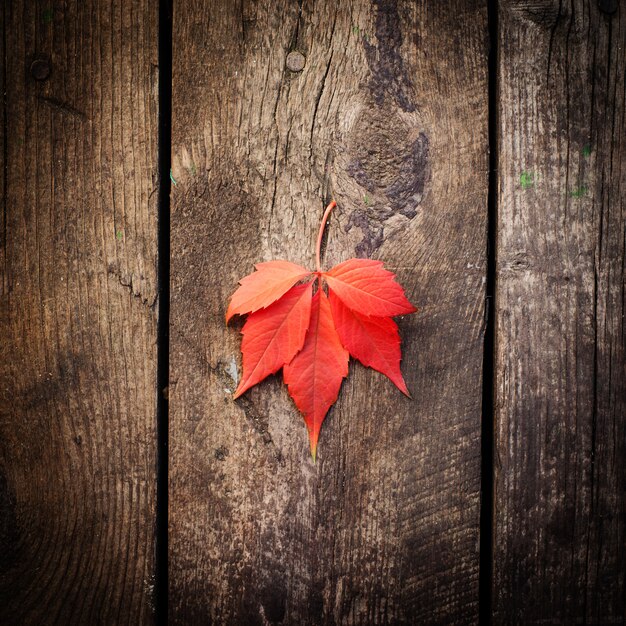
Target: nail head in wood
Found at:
x=295, y=61
x=40, y=69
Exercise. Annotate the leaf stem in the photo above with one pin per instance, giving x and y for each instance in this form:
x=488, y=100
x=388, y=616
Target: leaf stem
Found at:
x=329, y=208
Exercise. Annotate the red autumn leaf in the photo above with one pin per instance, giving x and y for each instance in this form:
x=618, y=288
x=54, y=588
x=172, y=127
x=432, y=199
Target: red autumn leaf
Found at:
x=312, y=337
x=374, y=341
x=366, y=287
x=315, y=374
x=273, y=336
x=259, y=289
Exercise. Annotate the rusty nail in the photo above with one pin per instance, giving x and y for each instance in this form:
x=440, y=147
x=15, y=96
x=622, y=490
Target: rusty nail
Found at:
x=40, y=69
x=295, y=61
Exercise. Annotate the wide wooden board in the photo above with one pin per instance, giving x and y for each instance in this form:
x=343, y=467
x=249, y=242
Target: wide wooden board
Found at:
x=389, y=118
x=78, y=321
x=560, y=522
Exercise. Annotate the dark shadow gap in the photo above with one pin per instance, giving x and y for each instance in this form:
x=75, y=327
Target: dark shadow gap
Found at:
x=485, y=600
x=164, y=164
x=5, y=137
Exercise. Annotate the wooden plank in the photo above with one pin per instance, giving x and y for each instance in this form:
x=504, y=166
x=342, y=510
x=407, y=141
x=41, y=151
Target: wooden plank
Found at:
x=77, y=435
x=560, y=538
x=389, y=118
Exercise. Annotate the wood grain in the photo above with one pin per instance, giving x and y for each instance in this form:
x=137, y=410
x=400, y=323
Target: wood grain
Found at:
x=560, y=534
x=78, y=323
x=389, y=118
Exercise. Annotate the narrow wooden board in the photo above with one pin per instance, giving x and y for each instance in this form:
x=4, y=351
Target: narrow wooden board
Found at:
x=560, y=534
x=78, y=321
x=389, y=118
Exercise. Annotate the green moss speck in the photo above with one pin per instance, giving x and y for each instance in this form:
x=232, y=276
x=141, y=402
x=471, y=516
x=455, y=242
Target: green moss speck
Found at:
x=527, y=180
x=579, y=192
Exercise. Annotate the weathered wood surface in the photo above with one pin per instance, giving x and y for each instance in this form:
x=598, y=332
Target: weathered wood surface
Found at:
x=389, y=118
x=78, y=324
x=560, y=522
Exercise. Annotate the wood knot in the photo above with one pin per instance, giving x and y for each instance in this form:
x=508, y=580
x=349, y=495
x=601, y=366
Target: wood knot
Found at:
x=384, y=166
x=608, y=6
